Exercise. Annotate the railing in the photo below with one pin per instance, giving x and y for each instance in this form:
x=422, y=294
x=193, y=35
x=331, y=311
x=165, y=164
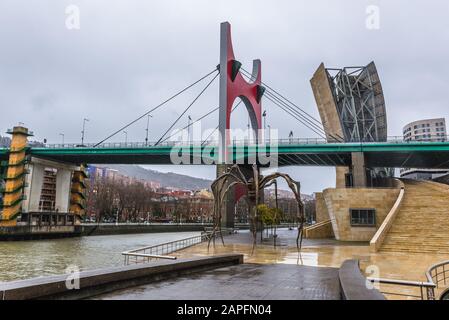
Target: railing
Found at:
x=162, y=251
x=145, y=223
x=439, y=274
x=123, y=145
x=244, y=142
x=426, y=289
x=378, y=239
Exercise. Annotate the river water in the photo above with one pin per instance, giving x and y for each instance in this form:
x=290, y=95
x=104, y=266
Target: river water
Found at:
x=28, y=259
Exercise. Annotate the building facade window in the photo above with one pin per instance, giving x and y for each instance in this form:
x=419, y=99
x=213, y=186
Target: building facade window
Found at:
x=363, y=217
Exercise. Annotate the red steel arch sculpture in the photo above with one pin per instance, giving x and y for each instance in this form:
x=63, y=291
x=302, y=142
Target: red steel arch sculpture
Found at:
x=232, y=86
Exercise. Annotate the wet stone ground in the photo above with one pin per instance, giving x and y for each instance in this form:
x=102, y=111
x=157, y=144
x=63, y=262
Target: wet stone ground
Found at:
x=242, y=282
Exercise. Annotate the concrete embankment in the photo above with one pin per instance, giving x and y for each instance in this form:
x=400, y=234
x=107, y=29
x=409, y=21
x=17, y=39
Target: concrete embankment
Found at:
x=91, y=283
x=112, y=229
x=19, y=233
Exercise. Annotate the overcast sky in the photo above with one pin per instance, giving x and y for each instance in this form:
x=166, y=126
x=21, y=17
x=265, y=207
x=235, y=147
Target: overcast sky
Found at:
x=129, y=55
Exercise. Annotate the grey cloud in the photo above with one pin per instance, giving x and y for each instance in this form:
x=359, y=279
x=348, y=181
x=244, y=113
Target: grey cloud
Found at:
x=131, y=55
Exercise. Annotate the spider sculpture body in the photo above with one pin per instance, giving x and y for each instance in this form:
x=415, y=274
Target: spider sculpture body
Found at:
x=254, y=186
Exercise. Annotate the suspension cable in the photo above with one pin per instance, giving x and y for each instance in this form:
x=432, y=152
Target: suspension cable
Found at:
x=157, y=107
x=283, y=97
x=296, y=109
x=213, y=131
x=305, y=121
x=186, y=109
x=294, y=116
x=311, y=124
x=313, y=127
x=336, y=137
x=192, y=123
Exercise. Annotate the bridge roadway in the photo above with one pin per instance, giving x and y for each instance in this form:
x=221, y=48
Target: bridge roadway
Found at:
x=290, y=153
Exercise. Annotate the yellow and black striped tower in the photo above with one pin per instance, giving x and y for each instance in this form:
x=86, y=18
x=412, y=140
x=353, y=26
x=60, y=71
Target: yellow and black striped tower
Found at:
x=14, y=176
x=78, y=193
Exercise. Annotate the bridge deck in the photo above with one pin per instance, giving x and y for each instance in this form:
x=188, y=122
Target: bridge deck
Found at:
x=378, y=154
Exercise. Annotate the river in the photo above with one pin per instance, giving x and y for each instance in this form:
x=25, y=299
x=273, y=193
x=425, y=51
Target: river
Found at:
x=28, y=259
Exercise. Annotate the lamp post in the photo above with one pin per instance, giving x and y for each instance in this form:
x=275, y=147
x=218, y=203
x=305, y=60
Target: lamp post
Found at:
x=269, y=132
x=264, y=115
x=126, y=137
x=84, y=130
x=189, y=135
x=62, y=135
x=249, y=131
x=148, y=125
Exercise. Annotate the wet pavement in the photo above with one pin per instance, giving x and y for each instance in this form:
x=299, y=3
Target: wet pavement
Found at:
x=281, y=272
x=327, y=253
x=242, y=282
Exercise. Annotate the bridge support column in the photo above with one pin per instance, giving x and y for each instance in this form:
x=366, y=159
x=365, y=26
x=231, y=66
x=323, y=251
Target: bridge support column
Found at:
x=36, y=180
x=358, y=170
x=14, y=177
x=342, y=175
x=228, y=208
x=48, y=193
x=63, y=184
x=78, y=193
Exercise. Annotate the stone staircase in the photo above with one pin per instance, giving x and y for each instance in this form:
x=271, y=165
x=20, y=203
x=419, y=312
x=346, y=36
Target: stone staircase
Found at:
x=422, y=223
x=320, y=230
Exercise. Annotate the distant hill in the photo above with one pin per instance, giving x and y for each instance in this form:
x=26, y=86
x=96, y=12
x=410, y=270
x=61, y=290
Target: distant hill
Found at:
x=169, y=179
x=270, y=193
x=181, y=181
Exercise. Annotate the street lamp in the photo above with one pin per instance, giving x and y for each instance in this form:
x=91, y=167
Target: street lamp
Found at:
x=84, y=130
x=189, y=136
x=62, y=135
x=148, y=125
x=264, y=115
x=269, y=132
x=126, y=137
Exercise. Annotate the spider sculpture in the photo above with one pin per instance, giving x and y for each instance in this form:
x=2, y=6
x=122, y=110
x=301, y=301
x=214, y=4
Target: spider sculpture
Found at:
x=254, y=185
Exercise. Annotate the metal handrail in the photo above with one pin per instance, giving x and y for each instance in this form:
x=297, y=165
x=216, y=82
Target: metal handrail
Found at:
x=433, y=273
x=428, y=286
x=245, y=142
x=161, y=251
x=204, y=224
x=151, y=256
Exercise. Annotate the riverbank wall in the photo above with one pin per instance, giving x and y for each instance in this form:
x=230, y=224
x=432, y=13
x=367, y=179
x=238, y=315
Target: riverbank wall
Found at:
x=19, y=233
x=87, y=284
x=112, y=229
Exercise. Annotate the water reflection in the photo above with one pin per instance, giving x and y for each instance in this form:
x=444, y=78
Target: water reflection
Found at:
x=26, y=259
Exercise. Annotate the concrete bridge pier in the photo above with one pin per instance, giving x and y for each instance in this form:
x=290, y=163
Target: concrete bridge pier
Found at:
x=358, y=170
x=37, y=185
x=354, y=175
x=41, y=197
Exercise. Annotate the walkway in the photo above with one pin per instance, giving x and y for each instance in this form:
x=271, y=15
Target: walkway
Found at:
x=284, y=273
x=327, y=253
x=242, y=282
